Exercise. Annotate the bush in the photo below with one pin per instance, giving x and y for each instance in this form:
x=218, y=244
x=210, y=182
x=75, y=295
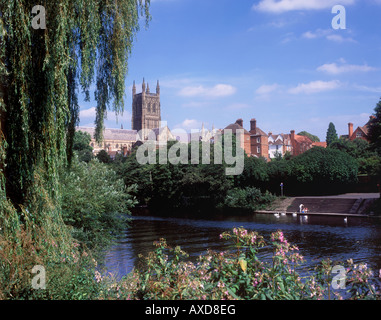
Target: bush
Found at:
x=249, y=198
x=95, y=202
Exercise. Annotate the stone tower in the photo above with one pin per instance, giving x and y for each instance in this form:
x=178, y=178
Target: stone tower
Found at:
x=146, y=113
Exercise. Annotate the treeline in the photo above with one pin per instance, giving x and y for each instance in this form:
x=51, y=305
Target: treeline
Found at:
x=319, y=171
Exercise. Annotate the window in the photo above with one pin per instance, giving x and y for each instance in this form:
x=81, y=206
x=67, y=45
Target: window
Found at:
x=358, y=134
x=258, y=140
x=258, y=149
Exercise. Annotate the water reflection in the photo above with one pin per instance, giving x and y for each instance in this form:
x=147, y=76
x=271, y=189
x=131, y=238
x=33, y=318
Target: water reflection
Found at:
x=318, y=238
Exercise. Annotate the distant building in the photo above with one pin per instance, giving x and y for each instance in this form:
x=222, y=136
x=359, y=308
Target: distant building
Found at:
x=359, y=133
x=146, y=109
x=299, y=143
x=322, y=144
x=114, y=140
x=254, y=142
x=279, y=144
x=259, y=141
x=245, y=140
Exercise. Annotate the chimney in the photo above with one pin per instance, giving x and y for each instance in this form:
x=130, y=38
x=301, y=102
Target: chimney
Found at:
x=350, y=130
x=240, y=122
x=292, y=135
x=253, y=125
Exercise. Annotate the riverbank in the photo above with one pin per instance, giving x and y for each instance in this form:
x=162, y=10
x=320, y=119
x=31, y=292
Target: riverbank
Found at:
x=351, y=204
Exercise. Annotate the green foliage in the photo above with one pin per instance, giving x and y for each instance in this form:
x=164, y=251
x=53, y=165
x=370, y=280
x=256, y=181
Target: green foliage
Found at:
x=41, y=70
x=374, y=131
x=254, y=173
x=321, y=170
x=103, y=157
x=176, y=186
x=312, y=137
x=249, y=198
x=368, y=161
x=331, y=134
x=95, y=202
x=81, y=145
x=240, y=274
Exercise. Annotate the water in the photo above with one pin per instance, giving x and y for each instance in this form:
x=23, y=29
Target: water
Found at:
x=319, y=238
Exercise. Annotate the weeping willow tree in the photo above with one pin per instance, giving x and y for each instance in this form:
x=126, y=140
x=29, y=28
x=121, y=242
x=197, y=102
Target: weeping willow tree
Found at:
x=41, y=72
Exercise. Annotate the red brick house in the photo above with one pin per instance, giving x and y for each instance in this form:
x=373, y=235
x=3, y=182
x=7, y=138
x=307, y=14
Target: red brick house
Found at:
x=360, y=132
x=300, y=144
x=245, y=142
x=259, y=141
x=255, y=141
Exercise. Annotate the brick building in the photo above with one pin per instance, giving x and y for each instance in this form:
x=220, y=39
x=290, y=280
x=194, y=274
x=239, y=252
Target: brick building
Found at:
x=255, y=141
x=359, y=133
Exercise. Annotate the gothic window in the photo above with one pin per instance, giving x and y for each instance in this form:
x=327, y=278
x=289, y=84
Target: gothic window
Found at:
x=154, y=109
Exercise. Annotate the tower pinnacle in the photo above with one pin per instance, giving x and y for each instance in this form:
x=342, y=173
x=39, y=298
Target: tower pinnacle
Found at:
x=157, y=87
x=143, y=86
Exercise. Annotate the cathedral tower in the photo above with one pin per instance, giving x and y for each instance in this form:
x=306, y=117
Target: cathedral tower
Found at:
x=146, y=113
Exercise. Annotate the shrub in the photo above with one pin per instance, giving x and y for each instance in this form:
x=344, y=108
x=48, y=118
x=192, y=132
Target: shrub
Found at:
x=95, y=202
x=249, y=198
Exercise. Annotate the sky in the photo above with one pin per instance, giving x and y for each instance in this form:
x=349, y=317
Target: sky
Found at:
x=282, y=62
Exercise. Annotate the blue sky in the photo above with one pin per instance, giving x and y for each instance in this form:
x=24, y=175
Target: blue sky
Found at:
x=279, y=61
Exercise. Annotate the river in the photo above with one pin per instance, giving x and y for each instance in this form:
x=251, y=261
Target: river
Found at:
x=318, y=238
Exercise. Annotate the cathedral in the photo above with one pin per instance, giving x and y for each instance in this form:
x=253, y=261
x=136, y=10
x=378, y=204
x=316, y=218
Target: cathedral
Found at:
x=146, y=117
x=146, y=113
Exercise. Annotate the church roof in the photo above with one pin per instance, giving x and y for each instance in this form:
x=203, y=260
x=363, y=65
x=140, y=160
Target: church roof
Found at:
x=112, y=134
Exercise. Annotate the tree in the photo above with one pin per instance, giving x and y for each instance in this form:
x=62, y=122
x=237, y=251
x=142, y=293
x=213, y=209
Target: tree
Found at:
x=81, y=144
x=41, y=70
x=103, y=156
x=323, y=170
x=312, y=137
x=95, y=202
x=374, y=131
x=331, y=134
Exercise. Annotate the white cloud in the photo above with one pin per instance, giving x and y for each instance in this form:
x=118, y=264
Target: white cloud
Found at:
x=280, y=6
x=340, y=39
x=89, y=114
x=266, y=89
x=315, y=87
x=219, y=90
x=189, y=124
x=367, y=88
x=318, y=33
x=333, y=68
x=328, y=34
